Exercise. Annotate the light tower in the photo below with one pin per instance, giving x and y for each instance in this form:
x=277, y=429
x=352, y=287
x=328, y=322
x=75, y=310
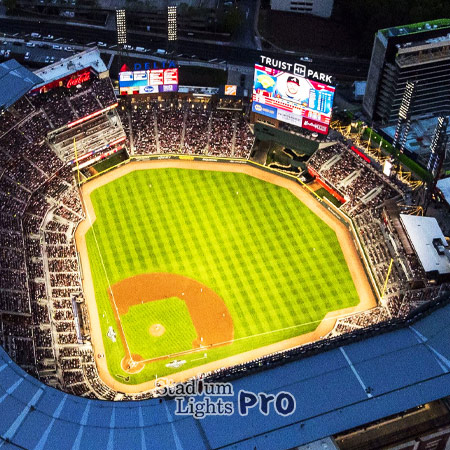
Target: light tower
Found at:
x=121, y=30
x=404, y=116
x=121, y=26
x=438, y=149
x=171, y=28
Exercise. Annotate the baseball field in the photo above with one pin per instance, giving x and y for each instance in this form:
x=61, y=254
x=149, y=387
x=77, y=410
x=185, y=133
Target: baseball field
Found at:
x=192, y=266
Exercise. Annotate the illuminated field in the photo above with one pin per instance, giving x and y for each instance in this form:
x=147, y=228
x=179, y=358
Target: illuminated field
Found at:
x=277, y=268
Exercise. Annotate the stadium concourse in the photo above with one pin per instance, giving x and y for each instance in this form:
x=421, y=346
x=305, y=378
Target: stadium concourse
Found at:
x=44, y=326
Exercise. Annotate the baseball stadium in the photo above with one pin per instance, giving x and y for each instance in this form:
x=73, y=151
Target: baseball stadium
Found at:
x=154, y=238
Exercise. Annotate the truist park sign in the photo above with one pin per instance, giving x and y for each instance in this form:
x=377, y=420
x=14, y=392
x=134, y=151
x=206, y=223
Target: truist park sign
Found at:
x=296, y=69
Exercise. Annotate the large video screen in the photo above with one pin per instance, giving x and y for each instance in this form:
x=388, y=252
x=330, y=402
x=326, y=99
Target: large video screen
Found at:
x=292, y=99
x=148, y=81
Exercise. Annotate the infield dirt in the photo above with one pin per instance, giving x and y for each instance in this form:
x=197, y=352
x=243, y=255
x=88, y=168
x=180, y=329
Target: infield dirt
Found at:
x=209, y=314
x=362, y=285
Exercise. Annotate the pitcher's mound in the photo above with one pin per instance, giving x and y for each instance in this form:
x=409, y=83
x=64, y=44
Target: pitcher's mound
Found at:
x=157, y=330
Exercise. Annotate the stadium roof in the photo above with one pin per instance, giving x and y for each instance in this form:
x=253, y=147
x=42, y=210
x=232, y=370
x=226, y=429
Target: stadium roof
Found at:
x=444, y=186
x=421, y=232
x=335, y=390
x=420, y=27
x=74, y=63
x=16, y=81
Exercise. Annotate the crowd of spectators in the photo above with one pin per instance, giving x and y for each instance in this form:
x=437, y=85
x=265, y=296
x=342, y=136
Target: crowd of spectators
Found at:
x=197, y=130
x=143, y=123
x=170, y=124
x=186, y=127
x=62, y=105
x=354, y=179
x=39, y=210
x=223, y=125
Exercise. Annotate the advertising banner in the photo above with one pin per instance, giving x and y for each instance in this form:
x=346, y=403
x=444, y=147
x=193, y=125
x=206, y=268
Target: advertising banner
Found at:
x=148, y=81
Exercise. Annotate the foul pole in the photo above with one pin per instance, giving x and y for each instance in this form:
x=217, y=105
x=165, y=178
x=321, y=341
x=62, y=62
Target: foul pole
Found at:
x=76, y=160
x=387, y=277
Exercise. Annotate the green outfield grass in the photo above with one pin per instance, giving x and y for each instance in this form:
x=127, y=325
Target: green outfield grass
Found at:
x=276, y=265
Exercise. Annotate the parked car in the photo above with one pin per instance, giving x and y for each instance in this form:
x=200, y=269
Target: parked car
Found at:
x=27, y=55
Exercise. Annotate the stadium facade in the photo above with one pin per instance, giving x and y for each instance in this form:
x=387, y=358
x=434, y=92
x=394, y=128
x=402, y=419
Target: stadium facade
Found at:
x=413, y=53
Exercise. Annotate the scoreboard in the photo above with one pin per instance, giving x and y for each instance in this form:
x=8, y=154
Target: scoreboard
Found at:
x=292, y=99
x=148, y=81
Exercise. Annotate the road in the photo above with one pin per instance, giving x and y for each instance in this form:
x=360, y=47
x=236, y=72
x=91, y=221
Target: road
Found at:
x=245, y=35
x=233, y=54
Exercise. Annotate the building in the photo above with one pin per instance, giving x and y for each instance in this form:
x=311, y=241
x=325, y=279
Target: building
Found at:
x=321, y=8
x=429, y=243
x=418, y=52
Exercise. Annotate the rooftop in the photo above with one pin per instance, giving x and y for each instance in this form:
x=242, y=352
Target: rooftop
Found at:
x=444, y=186
x=415, y=28
x=16, y=81
x=423, y=231
x=65, y=67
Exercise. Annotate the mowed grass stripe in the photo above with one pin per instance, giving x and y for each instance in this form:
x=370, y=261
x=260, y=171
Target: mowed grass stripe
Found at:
x=248, y=221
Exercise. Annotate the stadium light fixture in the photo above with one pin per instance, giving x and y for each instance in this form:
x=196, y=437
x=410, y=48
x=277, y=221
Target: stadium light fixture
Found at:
x=121, y=25
x=172, y=23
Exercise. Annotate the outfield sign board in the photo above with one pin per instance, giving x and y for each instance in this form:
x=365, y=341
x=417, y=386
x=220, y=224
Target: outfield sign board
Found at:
x=292, y=98
x=230, y=89
x=148, y=81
